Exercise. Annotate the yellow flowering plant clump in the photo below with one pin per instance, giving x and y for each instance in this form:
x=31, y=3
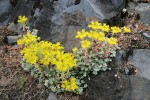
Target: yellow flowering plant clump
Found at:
x=62, y=71
x=97, y=49
x=46, y=57
x=47, y=61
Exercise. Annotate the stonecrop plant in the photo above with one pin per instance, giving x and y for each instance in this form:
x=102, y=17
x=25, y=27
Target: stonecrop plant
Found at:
x=48, y=62
x=98, y=46
x=60, y=71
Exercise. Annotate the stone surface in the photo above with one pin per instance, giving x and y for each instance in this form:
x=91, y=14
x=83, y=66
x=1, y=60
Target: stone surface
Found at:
x=5, y=11
x=23, y=7
x=101, y=9
x=52, y=96
x=120, y=57
x=144, y=1
x=59, y=20
x=141, y=60
x=4, y=32
x=41, y=19
x=15, y=27
x=106, y=86
x=138, y=88
x=143, y=9
x=66, y=31
x=70, y=18
x=12, y=39
x=146, y=36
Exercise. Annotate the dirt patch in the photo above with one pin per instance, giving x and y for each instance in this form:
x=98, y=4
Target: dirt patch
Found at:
x=15, y=84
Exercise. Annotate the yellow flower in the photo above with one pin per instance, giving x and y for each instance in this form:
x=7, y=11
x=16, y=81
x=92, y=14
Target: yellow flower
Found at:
x=85, y=44
x=70, y=85
x=27, y=39
x=57, y=46
x=115, y=30
x=30, y=54
x=22, y=19
x=91, y=34
x=105, y=28
x=95, y=25
x=112, y=41
x=101, y=36
x=65, y=61
x=75, y=49
x=126, y=29
x=81, y=34
x=45, y=53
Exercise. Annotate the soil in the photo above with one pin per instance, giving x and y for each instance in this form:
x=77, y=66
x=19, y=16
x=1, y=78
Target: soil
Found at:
x=15, y=84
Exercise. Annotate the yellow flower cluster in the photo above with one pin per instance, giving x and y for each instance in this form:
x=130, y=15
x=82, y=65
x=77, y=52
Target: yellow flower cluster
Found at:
x=85, y=44
x=106, y=28
x=65, y=61
x=45, y=53
x=98, y=33
x=75, y=49
x=98, y=26
x=99, y=36
x=22, y=19
x=70, y=85
x=115, y=30
x=81, y=34
x=126, y=29
x=27, y=39
x=95, y=25
x=112, y=40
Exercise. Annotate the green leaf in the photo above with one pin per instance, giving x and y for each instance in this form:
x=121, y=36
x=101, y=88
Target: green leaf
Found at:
x=82, y=81
x=85, y=85
x=96, y=69
x=80, y=90
x=86, y=69
x=94, y=72
x=53, y=88
x=46, y=83
x=84, y=74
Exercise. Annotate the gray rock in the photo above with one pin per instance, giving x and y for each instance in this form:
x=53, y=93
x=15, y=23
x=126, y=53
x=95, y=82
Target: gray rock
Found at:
x=141, y=60
x=106, y=86
x=12, y=39
x=146, y=36
x=103, y=9
x=23, y=8
x=41, y=19
x=120, y=57
x=143, y=9
x=100, y=9
x=52, y=96
x=138, y=88
x=141, y=1
x=5, y=11
x=70, y=18
x=67, y=28
x=58, y=21
x=15, y=27
x=4, y=32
